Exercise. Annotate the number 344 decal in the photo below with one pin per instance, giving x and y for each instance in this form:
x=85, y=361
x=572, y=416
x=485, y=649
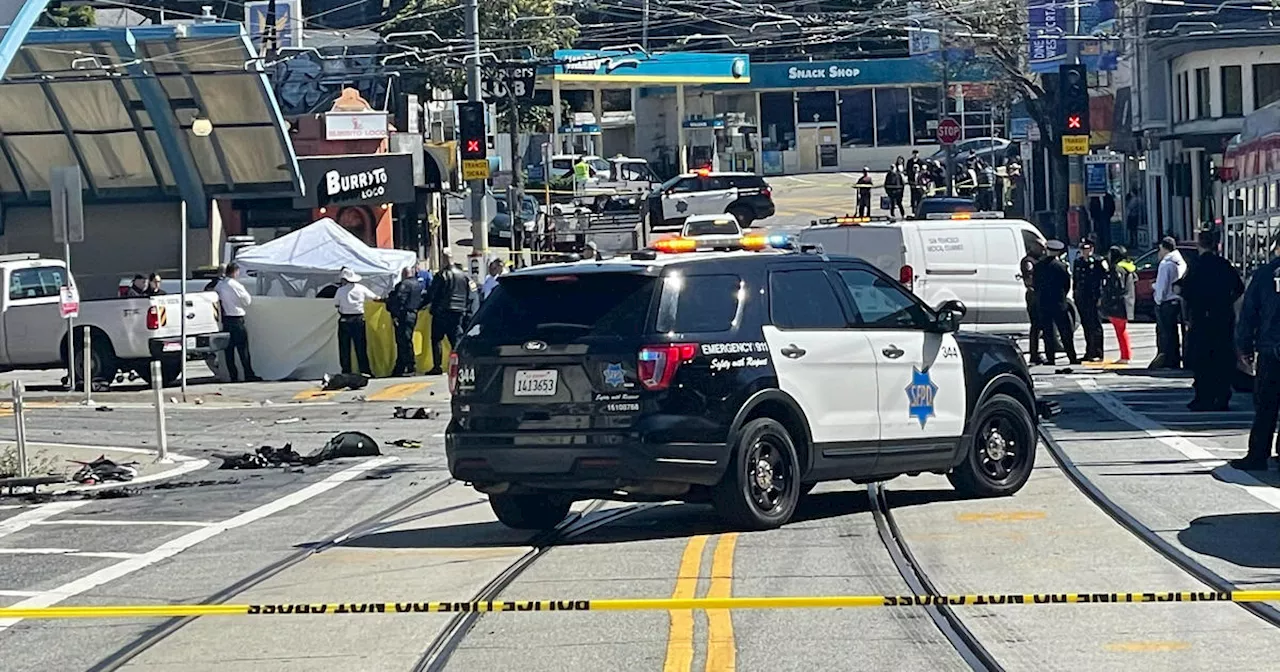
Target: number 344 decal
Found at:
x=950, y=352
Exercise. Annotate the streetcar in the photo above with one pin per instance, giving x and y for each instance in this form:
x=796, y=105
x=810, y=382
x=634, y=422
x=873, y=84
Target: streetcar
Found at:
x=1251, y=190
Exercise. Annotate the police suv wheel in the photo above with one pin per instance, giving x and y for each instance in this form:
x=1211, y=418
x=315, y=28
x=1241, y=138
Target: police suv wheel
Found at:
x=760, y=489
x=530, y=512
x=1002, y=451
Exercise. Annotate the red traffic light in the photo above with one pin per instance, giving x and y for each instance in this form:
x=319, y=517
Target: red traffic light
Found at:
x=1073, y=121
x=474, y=145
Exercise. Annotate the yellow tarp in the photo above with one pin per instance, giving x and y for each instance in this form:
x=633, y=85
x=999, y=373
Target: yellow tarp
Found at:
x=382, y=341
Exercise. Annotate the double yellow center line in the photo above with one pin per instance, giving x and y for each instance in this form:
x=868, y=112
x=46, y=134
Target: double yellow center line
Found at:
x=721, y=650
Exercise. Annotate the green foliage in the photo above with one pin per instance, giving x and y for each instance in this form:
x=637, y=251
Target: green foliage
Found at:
x=39, y=464
x=81, y=16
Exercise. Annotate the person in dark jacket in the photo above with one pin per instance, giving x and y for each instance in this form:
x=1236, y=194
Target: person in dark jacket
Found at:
x=1118, y=292
x=1209, y=292
x=450, y=299
x=1087, y=274
x=137, y=288
x=1053, y=284
x=894, y=185
x=1258, y=342
x=154, y=285
x=1027, y=271
x=863, y=187
x=403, y=304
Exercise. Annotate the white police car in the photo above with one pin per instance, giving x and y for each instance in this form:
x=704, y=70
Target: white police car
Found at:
x=738, y=377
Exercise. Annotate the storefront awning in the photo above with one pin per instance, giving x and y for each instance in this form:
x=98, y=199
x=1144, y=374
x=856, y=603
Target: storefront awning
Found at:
x=670, y=68
x=120, y=103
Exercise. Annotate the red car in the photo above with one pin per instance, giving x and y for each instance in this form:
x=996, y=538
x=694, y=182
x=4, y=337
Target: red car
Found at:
x=1144, y=296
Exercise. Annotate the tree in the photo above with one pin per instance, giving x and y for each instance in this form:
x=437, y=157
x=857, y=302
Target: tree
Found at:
x=80, y=16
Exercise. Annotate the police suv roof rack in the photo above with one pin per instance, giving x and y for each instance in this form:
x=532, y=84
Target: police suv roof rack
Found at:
x=982, y=214
x=850, y=220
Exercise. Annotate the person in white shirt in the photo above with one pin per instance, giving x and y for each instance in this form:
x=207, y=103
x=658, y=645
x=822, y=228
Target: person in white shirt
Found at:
x=233, y=298
x=496, y=268
x=350, y=301
x=1168, y=306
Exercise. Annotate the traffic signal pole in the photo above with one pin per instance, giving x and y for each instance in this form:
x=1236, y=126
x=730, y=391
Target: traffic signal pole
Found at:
x=1075, y=164
x=479, y=218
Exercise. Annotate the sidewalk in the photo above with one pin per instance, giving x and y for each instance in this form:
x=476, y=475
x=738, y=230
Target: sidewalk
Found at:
x=64, y=460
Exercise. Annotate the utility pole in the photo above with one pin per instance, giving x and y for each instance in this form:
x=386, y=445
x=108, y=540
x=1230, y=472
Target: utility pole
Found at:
x=479, y=218
x=1075, y=164
x=942, y=102
x=644, y=24
x=270, y=45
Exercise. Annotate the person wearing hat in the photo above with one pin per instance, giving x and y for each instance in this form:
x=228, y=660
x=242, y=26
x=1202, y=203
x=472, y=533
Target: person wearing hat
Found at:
x=350, y=299
x=1087, y=274
x=1258, y=345
x=1052, y=284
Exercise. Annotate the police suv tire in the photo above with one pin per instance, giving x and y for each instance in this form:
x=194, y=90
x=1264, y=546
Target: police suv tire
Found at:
x=738, y=497
x=1001, y=453
x=743, y=215
x=530, y=512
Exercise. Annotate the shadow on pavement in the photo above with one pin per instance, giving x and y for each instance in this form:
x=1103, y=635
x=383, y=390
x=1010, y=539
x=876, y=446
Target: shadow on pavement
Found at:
x=1244, y=539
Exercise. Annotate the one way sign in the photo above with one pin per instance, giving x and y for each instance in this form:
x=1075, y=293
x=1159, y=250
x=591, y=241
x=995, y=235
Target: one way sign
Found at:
x=494, y=85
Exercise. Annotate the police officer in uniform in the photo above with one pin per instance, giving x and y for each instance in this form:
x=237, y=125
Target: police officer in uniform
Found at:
x=1087, y=274
x=403, y=304
x=1053, y=283
x=451, y=297
x=1209, y=292
x=1258, y=342
x=1028, y=270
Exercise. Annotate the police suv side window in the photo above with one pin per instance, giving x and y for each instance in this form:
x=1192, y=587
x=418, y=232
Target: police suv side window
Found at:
x=684, y=186
x=877, y=302
x=804, y=299
x=699, y=303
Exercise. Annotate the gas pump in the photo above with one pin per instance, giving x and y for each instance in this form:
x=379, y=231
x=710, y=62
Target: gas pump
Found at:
x=739, y=148
x=703, y=139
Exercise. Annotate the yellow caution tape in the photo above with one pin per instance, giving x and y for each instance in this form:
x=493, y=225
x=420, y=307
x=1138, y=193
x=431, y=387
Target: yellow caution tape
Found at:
x=655, y=604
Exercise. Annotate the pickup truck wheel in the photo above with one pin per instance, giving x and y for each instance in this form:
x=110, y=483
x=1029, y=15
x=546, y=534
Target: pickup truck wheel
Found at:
x=170, y=371
x=102, y=360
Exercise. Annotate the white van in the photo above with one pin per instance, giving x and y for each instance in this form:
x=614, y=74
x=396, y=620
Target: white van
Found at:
x=973, y=257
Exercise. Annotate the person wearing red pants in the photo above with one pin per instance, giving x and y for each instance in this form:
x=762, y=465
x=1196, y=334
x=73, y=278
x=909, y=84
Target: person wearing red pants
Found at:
x=1118, y=289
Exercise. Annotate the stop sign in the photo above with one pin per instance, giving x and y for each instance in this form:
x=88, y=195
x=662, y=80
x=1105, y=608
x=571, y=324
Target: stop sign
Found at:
x=948, y=131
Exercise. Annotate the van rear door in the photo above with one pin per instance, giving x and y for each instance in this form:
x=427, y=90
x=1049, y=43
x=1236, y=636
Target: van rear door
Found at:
x=880, y=246
x=1002, y=307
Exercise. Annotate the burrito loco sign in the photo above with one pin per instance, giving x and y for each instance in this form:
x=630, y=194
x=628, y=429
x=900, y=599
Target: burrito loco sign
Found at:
x=359, y=179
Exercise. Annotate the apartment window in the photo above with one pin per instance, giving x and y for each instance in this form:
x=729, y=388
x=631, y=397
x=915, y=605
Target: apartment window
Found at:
x=1232, y=92
x=1177, y=98
x=1202, y=93
x=1266, y=84
x=1186, y=96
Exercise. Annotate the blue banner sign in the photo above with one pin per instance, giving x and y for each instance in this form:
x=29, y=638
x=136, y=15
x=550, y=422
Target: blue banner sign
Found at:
x=1046, y=29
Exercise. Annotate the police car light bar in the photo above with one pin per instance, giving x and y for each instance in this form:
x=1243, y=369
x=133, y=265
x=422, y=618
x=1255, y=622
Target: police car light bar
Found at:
x=752, y=242
x=848, y=221
x=984, y=214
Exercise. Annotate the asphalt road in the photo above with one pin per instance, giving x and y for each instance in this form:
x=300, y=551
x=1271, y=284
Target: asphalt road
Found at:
x=390, y=528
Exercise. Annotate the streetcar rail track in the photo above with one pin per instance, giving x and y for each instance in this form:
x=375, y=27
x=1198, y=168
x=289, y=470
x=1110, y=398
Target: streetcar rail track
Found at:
x=366, y=526
x=974, y=654
x=442, y=648
x=1185, y=562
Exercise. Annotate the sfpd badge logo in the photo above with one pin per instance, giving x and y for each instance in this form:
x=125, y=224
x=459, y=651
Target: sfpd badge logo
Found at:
x=920, y=394
x=613, y=376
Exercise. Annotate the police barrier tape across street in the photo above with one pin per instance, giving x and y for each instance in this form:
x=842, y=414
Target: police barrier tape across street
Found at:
x=655, y=604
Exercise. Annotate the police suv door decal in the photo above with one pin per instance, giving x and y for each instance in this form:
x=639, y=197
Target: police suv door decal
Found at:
x=927, y=396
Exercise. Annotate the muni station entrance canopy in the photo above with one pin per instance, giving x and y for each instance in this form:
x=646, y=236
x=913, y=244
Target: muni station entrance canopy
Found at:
x=148, y=114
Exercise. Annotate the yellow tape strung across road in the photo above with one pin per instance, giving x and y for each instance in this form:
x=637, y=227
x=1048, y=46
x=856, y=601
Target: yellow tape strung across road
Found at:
x=653, y=604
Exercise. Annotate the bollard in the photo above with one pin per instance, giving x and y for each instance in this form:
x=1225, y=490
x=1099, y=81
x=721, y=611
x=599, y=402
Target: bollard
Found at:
x=87, y=378
x=157, y=384
x=20, y=422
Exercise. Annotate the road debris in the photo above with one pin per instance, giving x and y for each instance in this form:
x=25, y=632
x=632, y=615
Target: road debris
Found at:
x=104, y=409
x=179, y=485
x=406, y=443
x=415, y=413
x=343, y=381
x=344, y=444
x=102, y=470
x=287, y=421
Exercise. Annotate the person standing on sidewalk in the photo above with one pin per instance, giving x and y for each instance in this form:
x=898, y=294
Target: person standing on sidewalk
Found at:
x=1053, y=284
x=1087, y=274
x=863, y=187
x=233, y=299
x=450, y=299
x=1171, y=269
x=894, y=185
x=1210, y=290
x=1258, y=342
x=349, y=300
x=403, y=304
x=1118, y=292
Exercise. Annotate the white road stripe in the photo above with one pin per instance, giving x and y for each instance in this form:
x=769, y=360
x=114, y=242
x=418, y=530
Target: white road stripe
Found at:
x=1241, y=479
x=18, y=593
x=114, y=555
x=28, y=518
x=124, y=523
x=175, y=546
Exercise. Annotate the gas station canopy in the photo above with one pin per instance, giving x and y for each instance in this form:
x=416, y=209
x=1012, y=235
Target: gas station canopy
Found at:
x=148, y=113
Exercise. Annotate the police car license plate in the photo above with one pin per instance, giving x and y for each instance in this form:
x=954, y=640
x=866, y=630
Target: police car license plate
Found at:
x=536, y=383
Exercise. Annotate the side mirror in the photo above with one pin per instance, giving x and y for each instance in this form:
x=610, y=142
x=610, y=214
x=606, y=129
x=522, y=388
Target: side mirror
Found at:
x=954, y=305
x=949, y=315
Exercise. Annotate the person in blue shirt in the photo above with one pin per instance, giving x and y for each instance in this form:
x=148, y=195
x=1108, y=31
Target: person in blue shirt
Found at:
x=424, y=274
x=1258, y=347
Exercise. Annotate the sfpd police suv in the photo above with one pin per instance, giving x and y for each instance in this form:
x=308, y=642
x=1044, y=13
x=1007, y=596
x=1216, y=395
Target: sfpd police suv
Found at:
x=741, y=377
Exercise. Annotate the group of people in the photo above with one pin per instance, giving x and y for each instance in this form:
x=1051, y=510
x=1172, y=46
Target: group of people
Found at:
x=974, y=179
x=1101, y=287
x=143, y=285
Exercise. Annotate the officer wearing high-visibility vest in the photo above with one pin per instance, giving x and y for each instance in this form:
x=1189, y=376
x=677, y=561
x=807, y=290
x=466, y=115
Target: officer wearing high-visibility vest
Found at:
x=581, y=171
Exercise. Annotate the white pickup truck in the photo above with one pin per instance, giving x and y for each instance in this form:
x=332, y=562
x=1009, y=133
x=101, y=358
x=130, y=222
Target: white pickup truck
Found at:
x=126, y=333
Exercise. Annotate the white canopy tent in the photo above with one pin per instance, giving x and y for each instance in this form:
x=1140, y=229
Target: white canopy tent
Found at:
x=306, y=260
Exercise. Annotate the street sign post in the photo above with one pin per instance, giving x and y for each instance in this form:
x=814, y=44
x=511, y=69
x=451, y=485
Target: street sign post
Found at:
x=66, y=195
x=1075, y=145
x=69, y=302
x=475, y=169
x=948, y=131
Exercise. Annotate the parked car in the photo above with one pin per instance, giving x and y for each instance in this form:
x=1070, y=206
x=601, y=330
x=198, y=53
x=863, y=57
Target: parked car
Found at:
x=1144, y=296
x=991, y=150
x=127, y=333
x=934, y=205
x=500, y=224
